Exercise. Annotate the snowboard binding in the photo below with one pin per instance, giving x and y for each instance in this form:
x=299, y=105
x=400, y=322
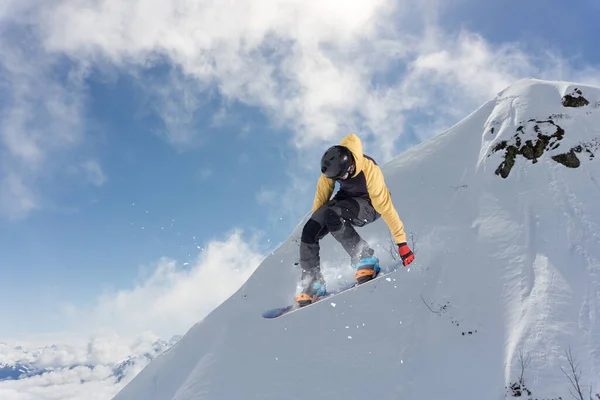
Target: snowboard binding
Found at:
x=366, y=269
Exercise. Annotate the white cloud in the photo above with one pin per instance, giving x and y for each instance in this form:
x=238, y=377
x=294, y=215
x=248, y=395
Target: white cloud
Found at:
x=302, y=62
x=81, y=369
x=94, y=172
x=16, y=198
x=40, y=117
x=78, y=383
x=310, y=65
x=103, y=348
x=176, y=99
x=267, y=53
x=172, y=298
x=322, y=68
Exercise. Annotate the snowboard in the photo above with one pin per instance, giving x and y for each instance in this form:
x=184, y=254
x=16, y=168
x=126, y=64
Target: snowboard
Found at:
x=281, y=311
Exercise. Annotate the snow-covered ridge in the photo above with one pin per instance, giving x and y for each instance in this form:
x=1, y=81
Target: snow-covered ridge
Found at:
x=561, y=126
x=503, y=298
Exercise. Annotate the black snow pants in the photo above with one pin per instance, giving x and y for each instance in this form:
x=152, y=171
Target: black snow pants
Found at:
x=338, y=217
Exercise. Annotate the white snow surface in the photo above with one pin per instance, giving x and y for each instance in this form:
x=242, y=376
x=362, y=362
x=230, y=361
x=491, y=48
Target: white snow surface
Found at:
x=504, y=267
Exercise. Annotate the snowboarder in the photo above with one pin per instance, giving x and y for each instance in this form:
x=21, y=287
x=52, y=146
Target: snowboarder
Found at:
x=363, y=198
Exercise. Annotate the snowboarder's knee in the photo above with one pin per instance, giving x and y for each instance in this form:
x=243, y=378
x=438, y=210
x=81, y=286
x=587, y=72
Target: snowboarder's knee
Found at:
x=310, y=232
x=333, y=219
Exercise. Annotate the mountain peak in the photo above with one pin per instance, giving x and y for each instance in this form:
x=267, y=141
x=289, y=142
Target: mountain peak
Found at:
x=535, y=119
x=502, y=295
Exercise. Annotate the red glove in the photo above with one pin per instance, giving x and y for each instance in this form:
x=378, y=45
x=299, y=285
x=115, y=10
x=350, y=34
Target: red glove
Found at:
x=406, y=254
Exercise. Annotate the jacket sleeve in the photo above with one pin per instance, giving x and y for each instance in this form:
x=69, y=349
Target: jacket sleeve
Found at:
x=382, y=201
x=324, y=190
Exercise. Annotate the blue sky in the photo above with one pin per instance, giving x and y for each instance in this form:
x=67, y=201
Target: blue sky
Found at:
x=130, y=149
x=566, y=27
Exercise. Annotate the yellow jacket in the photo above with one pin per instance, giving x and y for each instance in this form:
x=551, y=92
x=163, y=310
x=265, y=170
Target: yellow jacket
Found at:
x=376, y=187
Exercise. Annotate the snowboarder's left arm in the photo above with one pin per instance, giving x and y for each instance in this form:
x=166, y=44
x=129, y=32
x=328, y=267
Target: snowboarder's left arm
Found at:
x=382, y=200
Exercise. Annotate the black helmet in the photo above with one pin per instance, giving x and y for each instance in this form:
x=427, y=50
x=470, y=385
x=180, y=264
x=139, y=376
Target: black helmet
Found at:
x=336, y=161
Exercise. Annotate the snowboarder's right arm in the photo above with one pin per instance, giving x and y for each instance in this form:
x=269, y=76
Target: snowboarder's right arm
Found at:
x=325, y=188
x=382, y=200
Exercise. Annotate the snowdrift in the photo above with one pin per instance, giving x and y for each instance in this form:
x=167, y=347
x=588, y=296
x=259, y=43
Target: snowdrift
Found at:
x=504, y=211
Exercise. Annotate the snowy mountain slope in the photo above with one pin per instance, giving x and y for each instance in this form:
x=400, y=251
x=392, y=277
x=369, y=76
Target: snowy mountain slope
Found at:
x=505, y=211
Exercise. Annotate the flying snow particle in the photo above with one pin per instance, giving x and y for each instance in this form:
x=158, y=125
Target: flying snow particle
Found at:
x=349, y=337
x=333, y=304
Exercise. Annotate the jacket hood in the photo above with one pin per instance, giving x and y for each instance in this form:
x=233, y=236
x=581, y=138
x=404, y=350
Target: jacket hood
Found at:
x=353, y=143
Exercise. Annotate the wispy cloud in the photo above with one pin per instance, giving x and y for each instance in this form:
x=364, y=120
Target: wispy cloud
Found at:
x=267, y=197
x=172, y=297
x=40, y=115
x=322, y=69
x=94, y=172
x=176, y=98
x=299, y=61
x=17, y=198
